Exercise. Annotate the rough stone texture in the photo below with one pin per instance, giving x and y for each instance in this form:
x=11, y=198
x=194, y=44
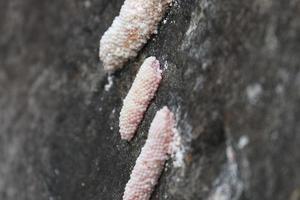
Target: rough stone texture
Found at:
x=232, y=77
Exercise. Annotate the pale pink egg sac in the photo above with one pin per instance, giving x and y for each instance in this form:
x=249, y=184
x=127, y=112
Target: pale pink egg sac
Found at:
x=139, y=97
x=151, y=160
x=129, y=32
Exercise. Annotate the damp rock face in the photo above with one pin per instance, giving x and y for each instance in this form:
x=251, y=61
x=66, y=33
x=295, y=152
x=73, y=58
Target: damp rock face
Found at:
x=231, y=76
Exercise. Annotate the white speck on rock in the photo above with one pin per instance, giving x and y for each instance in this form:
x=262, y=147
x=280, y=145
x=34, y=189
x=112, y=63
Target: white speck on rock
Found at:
x=178, y=150
x=253, y=92
x=112, y=114
x=199, y=83
x=109, y=83
x=191, y=32
x=279, y=89
x=175, y=3
x=56, y=171
x=243, y=141
x=230, y=154
x=87, y=4
x=205, y=66
x=228, y=186
x=166, y=65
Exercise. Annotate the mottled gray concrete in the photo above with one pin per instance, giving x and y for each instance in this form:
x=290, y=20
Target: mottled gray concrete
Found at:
x=232, y=77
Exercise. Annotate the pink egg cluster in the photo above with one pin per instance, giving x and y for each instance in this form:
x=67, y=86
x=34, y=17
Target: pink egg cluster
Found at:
x=139, y=96
x=150, y=162
x=137, y=21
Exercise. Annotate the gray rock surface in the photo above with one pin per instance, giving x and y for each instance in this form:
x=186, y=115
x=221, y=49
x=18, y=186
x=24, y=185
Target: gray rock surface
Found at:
x=232, y=77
